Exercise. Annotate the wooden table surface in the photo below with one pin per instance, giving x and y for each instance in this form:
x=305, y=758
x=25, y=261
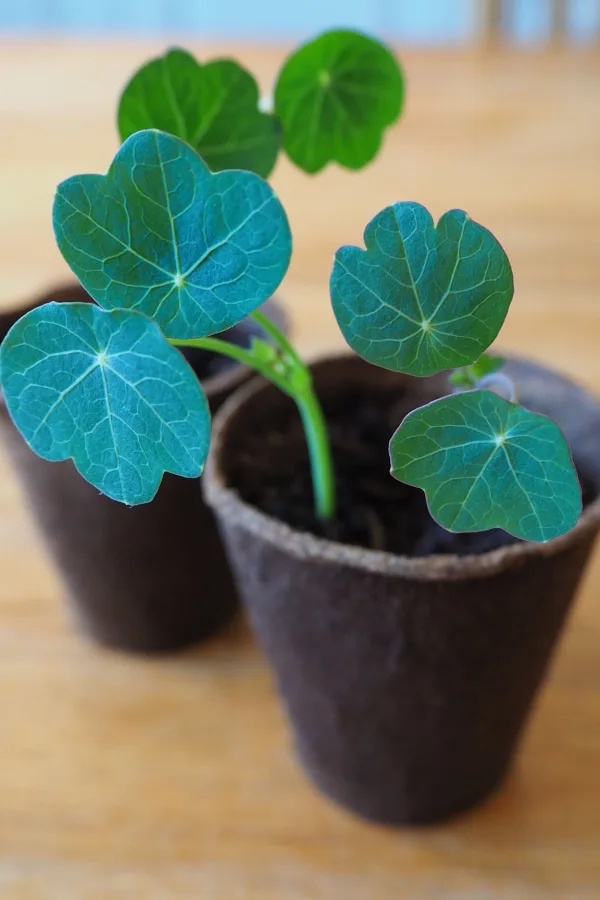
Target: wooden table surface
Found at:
x=121, y=777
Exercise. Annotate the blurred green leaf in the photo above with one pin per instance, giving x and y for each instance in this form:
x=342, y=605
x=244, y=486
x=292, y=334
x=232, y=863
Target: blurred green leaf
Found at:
x=263, y=351
x=469, y=376
x=335, y=96
x=212, y=107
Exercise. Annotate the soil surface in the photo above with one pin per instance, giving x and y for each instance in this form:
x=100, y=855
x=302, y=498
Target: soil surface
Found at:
x=271, y=472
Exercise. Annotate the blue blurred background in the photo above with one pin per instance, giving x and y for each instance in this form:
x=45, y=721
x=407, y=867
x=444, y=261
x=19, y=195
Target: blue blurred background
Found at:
x=410, y=21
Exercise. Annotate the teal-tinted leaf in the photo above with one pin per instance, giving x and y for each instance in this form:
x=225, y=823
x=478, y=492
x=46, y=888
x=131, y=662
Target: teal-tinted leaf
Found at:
x=335, y=97
x=486, y=463
x=421, y=299
x=108, y=391
x=213, y=107
x=161, y=234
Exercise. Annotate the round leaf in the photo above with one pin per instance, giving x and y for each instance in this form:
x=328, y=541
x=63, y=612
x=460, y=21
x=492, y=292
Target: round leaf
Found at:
x=213, y=107
x=421, y=299
x=486, y=463
x=335, y=97
x=161, y=234
x=106, y=390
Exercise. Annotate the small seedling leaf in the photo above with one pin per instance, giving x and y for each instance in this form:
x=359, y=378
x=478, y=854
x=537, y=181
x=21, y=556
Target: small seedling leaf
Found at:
x=212, y=107
x=263, y=352
x=486, y=366
x=468, y=376
x=335, y=96
x=106, y=390
x=486, y=463
x=421, y=298
x=161, y=234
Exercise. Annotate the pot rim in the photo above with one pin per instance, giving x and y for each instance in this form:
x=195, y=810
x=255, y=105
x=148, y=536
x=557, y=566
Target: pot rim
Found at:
x=227, y=504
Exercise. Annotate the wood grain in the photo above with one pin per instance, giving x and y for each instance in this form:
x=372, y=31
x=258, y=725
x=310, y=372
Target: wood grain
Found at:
x=172, y=779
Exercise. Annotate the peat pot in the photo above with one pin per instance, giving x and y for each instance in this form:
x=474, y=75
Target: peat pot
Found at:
x=407, y=678
x=146, y=579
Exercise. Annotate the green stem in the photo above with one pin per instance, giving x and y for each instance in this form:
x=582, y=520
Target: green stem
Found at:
x=313, y=420
x=296, y=382
x=276, y=335
x=245, y=357
x=319, y=451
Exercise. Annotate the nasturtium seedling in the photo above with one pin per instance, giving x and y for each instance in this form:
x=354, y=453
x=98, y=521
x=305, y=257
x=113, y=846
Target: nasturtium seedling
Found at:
x=421, y=298
x=161, y=234
x=106, y=390
x=335, y=97
x=213, y=107
x=173, y=253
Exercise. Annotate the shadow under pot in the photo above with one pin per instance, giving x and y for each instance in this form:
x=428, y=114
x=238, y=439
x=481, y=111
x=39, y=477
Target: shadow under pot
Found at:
x=145, y=579
x=408, y=670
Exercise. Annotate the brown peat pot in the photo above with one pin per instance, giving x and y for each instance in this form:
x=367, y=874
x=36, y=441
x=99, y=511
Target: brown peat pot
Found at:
x=145, y=579
x=407, y=679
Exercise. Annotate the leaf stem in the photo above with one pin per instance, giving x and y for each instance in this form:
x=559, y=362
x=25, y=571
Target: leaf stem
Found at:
x=288, y=373
x=319, y=451
x=313, y=420
x=276, y=335
x=245, y=357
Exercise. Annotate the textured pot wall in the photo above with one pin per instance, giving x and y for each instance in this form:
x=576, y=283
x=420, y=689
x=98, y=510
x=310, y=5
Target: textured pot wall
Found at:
x=407, y=682
x=152, y=578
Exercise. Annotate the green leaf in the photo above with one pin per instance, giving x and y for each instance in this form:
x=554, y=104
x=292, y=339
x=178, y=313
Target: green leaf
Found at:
x=335, y=97
x=468, y=376
x=486, y=365
x=161, y=234
x=263, y=351
x=461, y=378
x=421, y=299
x=106, y=390
x=486, y=463
x=213, y=107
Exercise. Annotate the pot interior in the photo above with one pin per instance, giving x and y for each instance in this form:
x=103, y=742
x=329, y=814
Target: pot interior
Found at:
x=265, y=458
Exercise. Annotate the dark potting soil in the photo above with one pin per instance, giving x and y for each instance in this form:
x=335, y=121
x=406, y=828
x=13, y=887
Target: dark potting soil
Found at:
x=271, y=472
